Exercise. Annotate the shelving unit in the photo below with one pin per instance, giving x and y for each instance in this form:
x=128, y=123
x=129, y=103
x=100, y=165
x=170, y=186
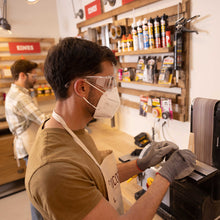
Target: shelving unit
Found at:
x=9, y=171
x=178, y=99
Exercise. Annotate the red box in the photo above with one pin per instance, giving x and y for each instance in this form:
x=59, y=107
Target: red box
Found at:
x=126, y=1
x=93, y=9
x=24, y=47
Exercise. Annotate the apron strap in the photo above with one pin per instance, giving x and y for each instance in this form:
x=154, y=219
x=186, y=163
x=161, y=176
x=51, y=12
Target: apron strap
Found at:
x=59, y=119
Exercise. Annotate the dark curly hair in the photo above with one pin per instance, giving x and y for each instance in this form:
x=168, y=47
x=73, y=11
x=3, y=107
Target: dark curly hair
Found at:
x=22, y=65
x=71, y=58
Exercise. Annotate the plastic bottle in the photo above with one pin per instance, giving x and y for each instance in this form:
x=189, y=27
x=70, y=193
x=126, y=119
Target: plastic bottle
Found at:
x=140, y=35
x=145, y=34
x=135, y=36
x=151, y=33
x=164, y=24
x=157, y=32
x=130, y=43
x=124, y=43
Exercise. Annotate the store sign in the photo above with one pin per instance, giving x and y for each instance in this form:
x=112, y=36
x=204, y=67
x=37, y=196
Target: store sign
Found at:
x=93, y=9
x=126, y=1
x=24, y=47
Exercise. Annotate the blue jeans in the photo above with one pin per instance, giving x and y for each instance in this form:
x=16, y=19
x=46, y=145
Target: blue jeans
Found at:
x=35, y=214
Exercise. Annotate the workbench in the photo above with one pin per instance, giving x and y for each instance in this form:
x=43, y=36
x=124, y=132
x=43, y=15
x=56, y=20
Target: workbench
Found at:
x=121, y=143
x=9, y=171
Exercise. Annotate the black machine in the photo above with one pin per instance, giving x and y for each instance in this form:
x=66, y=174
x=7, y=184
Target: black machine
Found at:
x=197, y=197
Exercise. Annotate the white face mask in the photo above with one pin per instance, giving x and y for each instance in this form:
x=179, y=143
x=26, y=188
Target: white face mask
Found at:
x=108, y=103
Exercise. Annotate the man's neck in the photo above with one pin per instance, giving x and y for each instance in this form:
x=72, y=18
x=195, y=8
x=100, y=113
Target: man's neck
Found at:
x=72, y=113
x=19, y=83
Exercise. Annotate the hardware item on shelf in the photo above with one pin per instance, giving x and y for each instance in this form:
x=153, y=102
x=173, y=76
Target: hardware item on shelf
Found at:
x=150, y=69
x=113, y=32
x=135, y=36
x=130, y=43
x=178, y=42
x=145, y=34
x=120, y=31
x=168, y=38
x=157, y=32
x=151, y=33
x=164, y=25
x=128, y=74
x=166, y=107
x=140, y=35
x=166, y=72
x=124, y=43
x=119, y=46
x=120, y=74
x=156, y=108
x=143, y=105
x=140, y=68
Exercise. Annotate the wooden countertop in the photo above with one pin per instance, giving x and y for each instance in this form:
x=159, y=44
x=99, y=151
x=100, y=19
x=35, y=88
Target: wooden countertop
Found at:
x=121, y=143
x=3, y=125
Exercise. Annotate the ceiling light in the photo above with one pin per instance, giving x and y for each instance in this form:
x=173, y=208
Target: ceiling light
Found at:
x=31, y=2
x=3, y=21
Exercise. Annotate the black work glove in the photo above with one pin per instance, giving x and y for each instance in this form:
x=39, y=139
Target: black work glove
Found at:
x=180, y=164
x=155, y=154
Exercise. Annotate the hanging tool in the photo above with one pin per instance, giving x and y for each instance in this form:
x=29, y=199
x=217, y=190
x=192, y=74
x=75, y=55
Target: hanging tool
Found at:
x=178, y=42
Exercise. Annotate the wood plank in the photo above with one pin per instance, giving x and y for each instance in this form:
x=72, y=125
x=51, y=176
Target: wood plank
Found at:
x=125, y=65
x=43, y=48
x=29, y=57
x=137, y=92
x=170, y=11
x=149, y=51
x=8, y=167
x=5, y=84
x=122, y=9
x=149, y=84
x=45, y=98
x=18, y=39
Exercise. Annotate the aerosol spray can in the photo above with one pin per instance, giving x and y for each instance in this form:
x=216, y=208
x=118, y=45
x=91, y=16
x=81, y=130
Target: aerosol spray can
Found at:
x=135, y=36
x=151, y=33
x=145, y=34
x=157, y=32
x=140, y=35
x=164, y=24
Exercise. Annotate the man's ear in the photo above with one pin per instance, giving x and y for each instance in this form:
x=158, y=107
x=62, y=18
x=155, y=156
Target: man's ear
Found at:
x=81, y=87
x=22, y=75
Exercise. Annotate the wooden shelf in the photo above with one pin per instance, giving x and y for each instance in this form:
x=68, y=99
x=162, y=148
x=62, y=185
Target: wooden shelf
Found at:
x=137, y=92
x=149, y=84
x=149, y=51
x=45, y=98
x=122, y=9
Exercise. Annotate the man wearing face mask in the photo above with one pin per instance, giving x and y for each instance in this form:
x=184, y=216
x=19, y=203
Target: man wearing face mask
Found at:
x=67, y=177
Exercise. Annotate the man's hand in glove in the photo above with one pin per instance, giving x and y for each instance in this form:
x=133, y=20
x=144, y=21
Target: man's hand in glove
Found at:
x=155, y=154
x=180, y=164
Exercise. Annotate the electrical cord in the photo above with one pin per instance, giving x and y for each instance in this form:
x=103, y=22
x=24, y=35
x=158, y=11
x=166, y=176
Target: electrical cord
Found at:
x=163, y=130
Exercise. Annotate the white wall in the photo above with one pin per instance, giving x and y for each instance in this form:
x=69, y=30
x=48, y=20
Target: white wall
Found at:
x=39, y=20
x=204, y=63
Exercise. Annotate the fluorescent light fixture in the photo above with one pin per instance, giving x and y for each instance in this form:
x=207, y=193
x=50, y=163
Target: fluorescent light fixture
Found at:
x=31, y=2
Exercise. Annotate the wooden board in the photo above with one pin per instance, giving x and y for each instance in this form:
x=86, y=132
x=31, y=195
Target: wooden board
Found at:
x=8, y=167
x=122, y=9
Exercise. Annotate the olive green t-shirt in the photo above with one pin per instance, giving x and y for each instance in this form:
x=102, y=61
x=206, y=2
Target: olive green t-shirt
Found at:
x=62, y=181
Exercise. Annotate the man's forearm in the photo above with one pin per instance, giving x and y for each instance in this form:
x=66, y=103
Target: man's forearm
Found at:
x=127, y=170
x=146, y=206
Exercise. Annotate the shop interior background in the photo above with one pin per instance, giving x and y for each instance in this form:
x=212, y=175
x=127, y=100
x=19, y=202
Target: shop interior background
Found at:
x=55, y=18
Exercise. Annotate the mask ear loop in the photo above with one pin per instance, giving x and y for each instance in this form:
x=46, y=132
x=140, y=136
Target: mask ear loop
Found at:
x=95, y=88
